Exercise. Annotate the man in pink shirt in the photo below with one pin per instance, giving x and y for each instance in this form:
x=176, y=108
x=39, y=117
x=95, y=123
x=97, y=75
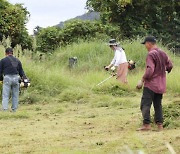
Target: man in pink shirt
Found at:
x=154, y=79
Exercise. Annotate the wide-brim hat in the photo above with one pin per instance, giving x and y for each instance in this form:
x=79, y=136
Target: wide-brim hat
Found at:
x=113, y=42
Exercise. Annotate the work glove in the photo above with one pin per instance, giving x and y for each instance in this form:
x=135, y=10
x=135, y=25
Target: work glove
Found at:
x=113, y=68
x=139, y=85
x=106, y=68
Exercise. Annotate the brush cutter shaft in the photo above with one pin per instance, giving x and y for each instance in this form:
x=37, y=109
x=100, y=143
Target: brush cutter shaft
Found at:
x=105, y=80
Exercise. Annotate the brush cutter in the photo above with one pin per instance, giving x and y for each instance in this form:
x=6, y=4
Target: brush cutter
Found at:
x=106, y=80
x=112, y=75
x=23, y=84
x=131, y=65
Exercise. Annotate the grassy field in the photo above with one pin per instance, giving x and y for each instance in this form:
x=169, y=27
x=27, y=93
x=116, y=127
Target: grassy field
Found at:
x=65, y=112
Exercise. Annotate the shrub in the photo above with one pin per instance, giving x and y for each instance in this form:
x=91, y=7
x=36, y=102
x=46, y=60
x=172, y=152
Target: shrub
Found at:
x=50, y=38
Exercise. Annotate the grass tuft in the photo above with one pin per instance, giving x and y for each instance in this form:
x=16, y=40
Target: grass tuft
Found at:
x=12, y=115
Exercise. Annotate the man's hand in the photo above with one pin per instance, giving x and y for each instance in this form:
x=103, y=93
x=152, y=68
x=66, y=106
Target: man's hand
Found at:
x=168, y=70
x=139, y=85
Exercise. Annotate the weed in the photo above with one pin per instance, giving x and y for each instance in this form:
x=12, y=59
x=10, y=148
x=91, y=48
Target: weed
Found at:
x=172, y=114
x=114, y=90
x=79, y=96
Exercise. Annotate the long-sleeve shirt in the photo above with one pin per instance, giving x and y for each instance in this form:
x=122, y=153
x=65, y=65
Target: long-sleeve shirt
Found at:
x=157, y=63
x=119, y=57
x=6, y=67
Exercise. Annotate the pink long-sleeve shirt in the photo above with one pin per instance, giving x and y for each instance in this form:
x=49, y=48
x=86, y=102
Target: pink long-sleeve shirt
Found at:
x=157, y=63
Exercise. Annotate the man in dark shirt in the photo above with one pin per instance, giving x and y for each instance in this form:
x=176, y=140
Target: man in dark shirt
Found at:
x=154, y=79
x=10, y=72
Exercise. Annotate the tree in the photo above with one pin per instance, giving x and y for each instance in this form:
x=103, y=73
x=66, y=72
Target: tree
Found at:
x=36, y=30
x=48, y=39
x=141, y=17
x=12, y=23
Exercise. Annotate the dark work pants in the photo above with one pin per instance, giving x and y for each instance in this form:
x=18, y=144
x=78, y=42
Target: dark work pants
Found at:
x=148, y=97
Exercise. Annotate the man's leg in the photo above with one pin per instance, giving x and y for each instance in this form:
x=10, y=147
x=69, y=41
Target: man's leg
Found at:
x=157, y=103
x=146, y=102
x=6, y=93
x=15, y=94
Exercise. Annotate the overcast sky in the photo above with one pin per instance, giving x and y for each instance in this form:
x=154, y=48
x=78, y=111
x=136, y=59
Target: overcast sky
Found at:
x=46, y=13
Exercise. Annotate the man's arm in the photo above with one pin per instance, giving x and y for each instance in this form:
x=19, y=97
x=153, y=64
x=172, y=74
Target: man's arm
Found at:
x=149, y=68
x=1, y=71
x=21, y=71
x=169, y=65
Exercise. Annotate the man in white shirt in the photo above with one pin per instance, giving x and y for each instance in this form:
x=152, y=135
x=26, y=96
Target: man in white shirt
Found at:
x=119, y=61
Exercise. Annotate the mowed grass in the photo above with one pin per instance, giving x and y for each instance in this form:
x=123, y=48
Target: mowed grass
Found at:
x=105, y=126
x=64, y=111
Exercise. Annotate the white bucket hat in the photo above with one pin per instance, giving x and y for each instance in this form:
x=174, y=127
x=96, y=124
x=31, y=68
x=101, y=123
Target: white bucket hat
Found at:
x=113, y=42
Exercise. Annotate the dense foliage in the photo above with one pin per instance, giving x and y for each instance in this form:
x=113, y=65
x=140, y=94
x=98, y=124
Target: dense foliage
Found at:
x=12, y=23
x=142, y=17
x=50, y=38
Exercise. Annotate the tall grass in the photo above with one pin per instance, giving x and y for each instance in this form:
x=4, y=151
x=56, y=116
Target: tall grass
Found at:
x=51, y=76
x=92, y=56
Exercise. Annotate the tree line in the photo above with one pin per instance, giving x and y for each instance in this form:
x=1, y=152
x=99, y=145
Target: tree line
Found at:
x=122, y=19
x=160, y=18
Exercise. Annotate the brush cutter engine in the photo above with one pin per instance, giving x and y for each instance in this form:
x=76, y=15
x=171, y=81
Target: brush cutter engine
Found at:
x=25, y=83
x=131, y=65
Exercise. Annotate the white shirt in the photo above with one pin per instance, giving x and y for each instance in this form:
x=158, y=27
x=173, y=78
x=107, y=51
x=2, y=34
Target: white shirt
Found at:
x=119, y=57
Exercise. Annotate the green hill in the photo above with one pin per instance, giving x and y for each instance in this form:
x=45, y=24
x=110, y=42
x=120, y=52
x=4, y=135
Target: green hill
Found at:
x=91, y=16
x=65, y=112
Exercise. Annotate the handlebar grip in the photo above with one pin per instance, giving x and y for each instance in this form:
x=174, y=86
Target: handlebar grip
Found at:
x=106, y=68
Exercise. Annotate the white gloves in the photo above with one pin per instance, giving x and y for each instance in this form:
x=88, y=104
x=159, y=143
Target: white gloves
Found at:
x=113, y=68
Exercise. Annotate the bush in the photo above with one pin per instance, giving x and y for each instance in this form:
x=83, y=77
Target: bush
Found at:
x=77, y=29
x=50, y=38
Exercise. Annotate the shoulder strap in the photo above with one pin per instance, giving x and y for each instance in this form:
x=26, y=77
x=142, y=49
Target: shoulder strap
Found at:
x=14, y=62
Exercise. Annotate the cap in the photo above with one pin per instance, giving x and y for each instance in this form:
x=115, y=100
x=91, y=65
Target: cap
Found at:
x=149, y=39
x=8, y=50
